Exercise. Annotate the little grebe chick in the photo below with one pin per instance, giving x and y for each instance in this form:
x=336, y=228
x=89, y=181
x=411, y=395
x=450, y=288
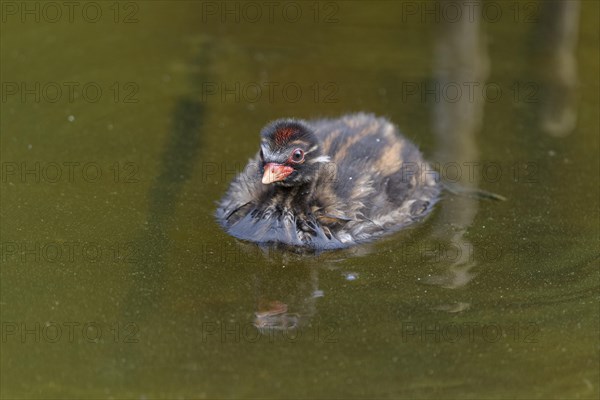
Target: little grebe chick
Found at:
x=328, y=184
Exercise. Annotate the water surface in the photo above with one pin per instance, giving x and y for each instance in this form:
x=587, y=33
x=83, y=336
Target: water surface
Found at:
x=116, y=280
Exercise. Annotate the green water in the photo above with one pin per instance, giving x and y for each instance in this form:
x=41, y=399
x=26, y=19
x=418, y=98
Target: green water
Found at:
x=116, y=282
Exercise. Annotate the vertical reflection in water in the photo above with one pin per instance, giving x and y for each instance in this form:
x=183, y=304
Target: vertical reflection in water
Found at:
x=556, y=44
x=460, y=58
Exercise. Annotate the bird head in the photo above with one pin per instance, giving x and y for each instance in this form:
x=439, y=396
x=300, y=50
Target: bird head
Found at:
x=290, y=153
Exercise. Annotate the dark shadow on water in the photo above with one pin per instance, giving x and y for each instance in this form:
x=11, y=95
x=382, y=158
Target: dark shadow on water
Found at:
x=183, y=144
x=179, y=156
x=181, y=150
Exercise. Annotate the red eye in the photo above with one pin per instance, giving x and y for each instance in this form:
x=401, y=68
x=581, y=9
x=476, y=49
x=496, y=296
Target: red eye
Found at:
x=297, y=156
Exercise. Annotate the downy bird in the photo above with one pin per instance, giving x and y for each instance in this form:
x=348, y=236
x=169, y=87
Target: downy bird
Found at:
x=328, y=184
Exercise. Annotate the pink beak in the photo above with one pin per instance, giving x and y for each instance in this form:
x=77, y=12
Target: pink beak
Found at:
x=276, y=172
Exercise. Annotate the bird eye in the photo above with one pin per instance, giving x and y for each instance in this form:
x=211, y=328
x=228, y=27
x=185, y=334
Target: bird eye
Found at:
x=297, y=156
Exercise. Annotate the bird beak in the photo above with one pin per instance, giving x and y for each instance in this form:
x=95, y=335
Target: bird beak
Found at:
x=276, y=172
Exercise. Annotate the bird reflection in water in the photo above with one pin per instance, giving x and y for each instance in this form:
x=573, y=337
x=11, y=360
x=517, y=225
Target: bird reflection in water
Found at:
x=273, y=315
x=286, y=292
